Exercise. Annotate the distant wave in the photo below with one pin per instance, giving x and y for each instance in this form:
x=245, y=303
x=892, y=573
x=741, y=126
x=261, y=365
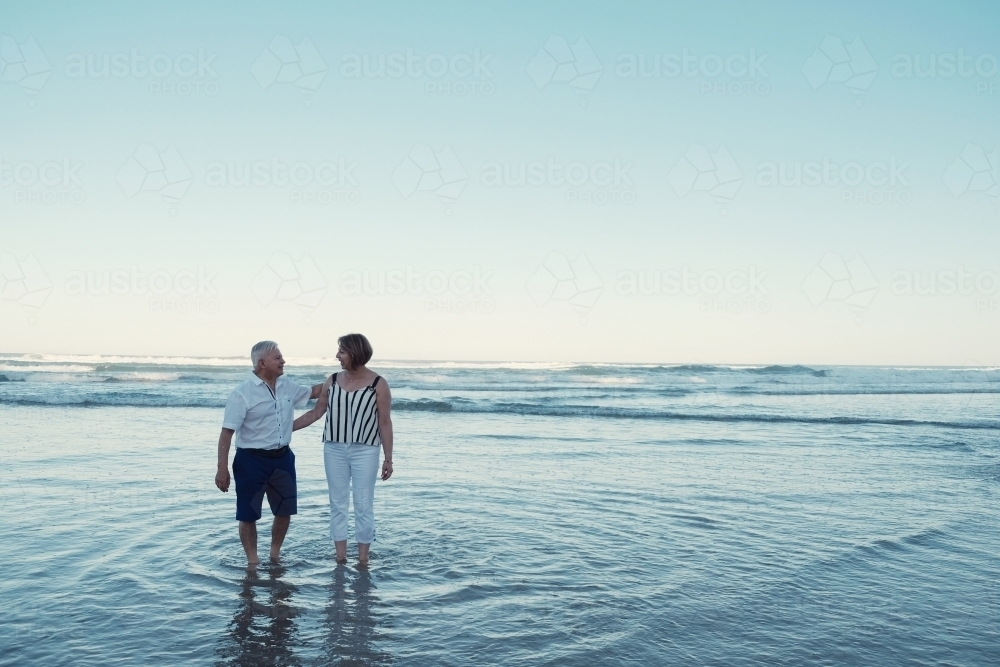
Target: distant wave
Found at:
x=558, y=387
x=143, y=377
x=132, y=399
x=427, y=405
x=423, y=405
x=46, y=368
x=89, y=362
x=458, y=405
x=858, y=391
x=123, y=359
x=603, y=369
x=691, y=368
x=787, y=370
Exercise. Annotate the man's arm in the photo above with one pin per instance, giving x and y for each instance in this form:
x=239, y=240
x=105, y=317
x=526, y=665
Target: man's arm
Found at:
x=222, y=474
x=317, y=411
x=317, y=389
x=232, y=419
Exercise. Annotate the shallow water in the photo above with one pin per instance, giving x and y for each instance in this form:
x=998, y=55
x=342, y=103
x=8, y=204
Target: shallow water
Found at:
x=556, y=515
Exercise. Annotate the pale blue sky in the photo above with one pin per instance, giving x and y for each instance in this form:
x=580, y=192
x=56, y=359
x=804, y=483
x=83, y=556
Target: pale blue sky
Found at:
x=519, y=111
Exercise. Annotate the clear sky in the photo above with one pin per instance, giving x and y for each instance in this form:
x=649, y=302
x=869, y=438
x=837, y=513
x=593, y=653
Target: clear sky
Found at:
x=649, y=182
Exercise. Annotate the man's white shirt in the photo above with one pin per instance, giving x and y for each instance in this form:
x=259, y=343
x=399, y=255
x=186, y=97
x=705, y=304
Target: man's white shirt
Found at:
x=262, y=419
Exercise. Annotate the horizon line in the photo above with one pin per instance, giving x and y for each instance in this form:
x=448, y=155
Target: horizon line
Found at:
x=292, y=360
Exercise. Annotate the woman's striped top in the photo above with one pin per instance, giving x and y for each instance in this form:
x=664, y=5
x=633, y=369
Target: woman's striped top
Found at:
x=352, y=416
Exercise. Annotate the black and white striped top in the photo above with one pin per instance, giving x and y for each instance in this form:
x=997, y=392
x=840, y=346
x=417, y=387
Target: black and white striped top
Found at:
x=352, y=416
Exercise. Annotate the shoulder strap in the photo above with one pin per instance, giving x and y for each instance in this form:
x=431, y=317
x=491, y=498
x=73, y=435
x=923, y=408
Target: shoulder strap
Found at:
x=328, y=428
x=377, y=378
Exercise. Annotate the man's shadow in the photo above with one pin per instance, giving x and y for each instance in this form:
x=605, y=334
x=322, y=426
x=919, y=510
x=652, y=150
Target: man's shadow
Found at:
x=262, y=631
x=353, y=620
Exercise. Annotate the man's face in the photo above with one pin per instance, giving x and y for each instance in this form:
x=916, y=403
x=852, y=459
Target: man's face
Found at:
x=272, y=363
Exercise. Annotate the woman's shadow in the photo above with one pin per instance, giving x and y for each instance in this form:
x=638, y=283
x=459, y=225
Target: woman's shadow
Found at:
x=353, y=620
x=269, y=641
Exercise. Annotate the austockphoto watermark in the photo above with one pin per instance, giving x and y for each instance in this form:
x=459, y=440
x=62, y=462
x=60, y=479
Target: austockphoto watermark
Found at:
x=454, y=291
x=462, y=74
x=735, y=74
x=980, y=286
x=53, y=181
x=97, y=497
x=184, y=74
x=980, y=68
x=875, y=182
x=599, y=182
x=737, y=291
x=331, y=181
x=188, y=291
x=26, y=624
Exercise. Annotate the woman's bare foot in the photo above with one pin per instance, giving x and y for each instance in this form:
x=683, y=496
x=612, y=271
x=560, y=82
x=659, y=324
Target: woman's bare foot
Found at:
x=363, y=554
x=341, y=547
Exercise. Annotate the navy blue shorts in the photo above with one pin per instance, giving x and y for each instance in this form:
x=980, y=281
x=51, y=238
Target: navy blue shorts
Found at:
x=258, y=474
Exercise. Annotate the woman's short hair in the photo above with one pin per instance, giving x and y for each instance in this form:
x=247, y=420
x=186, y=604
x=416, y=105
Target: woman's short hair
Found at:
x=258, y=351
x=358, y=347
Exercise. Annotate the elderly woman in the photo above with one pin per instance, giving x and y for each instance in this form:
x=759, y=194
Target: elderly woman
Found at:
x=356, y=403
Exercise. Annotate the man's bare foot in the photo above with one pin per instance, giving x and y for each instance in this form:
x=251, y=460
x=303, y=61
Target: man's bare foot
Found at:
x=274, y=555
x=252, y=563
x=341, y=560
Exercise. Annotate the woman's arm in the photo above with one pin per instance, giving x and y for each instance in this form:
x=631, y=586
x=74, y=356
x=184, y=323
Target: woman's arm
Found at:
x=317, y=411
x=383, y=399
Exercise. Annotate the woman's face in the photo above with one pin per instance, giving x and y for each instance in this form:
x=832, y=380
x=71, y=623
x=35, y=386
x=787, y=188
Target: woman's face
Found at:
x=344, y=358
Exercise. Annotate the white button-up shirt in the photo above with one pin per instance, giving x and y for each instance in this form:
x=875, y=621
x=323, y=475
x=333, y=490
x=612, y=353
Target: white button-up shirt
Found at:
x=262, y=419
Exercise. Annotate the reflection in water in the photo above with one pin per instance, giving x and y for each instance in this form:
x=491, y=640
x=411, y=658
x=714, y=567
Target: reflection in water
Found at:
x=262, y=631
x=352, y=628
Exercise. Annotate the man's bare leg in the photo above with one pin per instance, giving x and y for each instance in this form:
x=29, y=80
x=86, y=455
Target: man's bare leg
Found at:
x=248, y=536
x=278, y=530
x=363, y=554
x=341, y=551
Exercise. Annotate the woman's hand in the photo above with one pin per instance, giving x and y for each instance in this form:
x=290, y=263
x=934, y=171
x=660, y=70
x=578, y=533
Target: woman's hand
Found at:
x=386, y=470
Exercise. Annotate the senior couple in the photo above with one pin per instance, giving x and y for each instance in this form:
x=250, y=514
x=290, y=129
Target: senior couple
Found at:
x=260, y=413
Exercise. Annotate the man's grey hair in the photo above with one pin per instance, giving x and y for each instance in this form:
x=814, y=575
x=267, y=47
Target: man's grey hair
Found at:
x=258, y=351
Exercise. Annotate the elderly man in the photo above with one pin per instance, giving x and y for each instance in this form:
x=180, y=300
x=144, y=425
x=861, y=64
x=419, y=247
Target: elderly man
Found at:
x=260, y=412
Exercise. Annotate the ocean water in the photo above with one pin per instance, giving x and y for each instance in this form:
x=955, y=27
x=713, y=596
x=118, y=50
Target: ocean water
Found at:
x=539, y=514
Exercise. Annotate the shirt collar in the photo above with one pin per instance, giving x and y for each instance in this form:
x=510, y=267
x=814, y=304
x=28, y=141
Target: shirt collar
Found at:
x=257, y=380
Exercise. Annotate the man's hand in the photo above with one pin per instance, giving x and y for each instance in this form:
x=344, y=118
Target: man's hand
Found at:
x=222, y=471
x=222, y=479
